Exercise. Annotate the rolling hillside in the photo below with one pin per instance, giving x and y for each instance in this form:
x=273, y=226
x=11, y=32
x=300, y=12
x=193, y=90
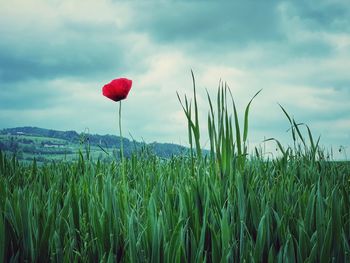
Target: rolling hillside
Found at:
x=46, y=145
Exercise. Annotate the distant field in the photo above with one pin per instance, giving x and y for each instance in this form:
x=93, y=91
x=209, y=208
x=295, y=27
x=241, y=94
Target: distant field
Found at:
x=28, y=147
x=28, y=143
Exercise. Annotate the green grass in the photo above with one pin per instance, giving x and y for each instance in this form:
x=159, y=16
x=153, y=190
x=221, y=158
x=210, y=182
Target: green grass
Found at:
x=224, y=207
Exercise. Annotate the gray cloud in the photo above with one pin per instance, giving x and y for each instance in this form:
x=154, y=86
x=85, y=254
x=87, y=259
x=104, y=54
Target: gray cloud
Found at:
x=80, y=55
x=211, y=22
x=30, y=95
x=325, y=15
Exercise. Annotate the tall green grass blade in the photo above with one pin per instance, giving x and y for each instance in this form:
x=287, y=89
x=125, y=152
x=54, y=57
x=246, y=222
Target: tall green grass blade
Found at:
x=226, y=233
x=132, y=239
x=261, y=239
x=326, y=247
x=246, y=114
x=195, y=105
x=288, y=253
x=2, y=238
x=296, y=126
x=238, y=132
x=290, y=122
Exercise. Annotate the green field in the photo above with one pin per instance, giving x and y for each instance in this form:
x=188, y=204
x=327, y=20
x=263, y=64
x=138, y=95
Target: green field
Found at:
x=43, y=145
x=28, y=147
x=226, y=206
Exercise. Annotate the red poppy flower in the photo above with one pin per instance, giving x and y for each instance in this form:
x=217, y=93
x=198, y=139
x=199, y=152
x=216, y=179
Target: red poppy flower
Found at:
x=117, y=89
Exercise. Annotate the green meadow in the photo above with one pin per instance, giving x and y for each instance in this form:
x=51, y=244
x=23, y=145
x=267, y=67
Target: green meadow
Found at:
x=231, y=204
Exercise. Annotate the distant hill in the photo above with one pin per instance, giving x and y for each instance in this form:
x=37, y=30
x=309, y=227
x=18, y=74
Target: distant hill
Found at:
x=46, y=145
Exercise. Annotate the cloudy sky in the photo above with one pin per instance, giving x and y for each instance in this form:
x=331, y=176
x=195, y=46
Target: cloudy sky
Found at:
x=56, y=55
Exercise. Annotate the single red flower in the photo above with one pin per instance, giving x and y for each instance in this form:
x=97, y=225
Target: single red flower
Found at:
x=117, y=89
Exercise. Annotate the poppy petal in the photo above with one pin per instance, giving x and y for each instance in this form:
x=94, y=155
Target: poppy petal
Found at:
x=117, y=89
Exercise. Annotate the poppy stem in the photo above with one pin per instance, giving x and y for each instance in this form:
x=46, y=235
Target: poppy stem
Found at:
x=121, y=135
x=120, y=131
